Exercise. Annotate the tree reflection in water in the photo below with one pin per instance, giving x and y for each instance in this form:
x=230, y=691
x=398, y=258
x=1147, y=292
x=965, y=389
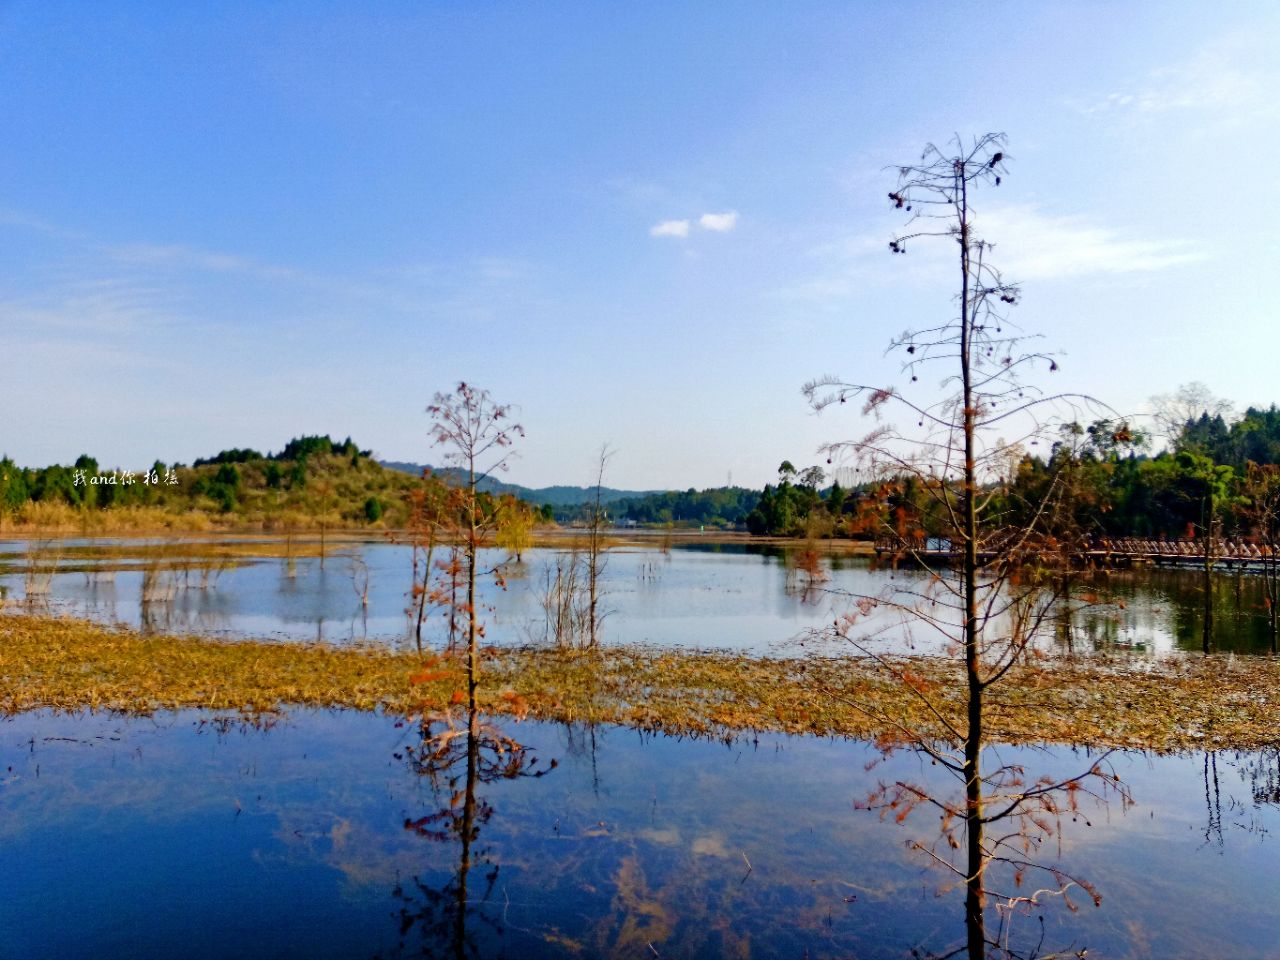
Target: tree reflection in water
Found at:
x=1262, y=770
x=457, y=758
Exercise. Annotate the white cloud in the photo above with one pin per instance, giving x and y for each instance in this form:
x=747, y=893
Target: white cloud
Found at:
x=715, y=222
x=670, y=228
x=1031, y=245
x=1233, y=77
x=184, y=257
x=13, y=218
x=719, y=222
x=92, y=308
x=153, y=255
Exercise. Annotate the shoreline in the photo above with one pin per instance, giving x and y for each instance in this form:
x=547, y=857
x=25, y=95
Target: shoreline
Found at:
x=545, y=537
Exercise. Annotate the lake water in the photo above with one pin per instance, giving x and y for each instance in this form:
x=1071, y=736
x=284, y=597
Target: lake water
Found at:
x=734, y=597
x=184, y=835
x=330, y=834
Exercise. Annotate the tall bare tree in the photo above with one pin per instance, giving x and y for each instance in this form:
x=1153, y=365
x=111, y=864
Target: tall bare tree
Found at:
x=426, y=518
x=1171, y=412
x=1000, y=595
x=323, y=508
x=477, y=436
x=597, y=558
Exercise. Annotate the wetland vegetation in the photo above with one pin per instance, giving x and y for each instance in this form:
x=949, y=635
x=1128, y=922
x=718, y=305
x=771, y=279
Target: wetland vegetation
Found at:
x=1022, y=695
x=705, y=798
x=619, y=801
x=1165, y=705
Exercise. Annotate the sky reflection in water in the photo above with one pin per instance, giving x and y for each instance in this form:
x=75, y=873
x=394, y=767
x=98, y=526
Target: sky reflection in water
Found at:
x=180, y=836
x=725, y=597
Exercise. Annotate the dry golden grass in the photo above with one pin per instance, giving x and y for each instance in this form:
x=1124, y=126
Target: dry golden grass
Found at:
x=44, y=519
x=40, y=518
x=1208, y=703
x=221, y=551
x=69, y=664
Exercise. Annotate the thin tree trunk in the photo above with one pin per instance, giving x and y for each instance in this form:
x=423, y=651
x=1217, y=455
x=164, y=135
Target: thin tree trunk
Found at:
x=472, y=679
x=1207, y=526
x=1271, y=574
x=1271, y=605
x=422, y=597
x=453, y=599
x=975, y=925
x=593, y=553
x=593, y=572
x=1067, y=621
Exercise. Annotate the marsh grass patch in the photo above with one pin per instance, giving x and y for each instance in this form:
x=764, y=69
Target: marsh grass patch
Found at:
x=1209, y=703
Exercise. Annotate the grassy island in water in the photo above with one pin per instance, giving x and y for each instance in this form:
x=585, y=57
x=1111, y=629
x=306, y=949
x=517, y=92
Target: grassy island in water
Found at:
x=1216, y=702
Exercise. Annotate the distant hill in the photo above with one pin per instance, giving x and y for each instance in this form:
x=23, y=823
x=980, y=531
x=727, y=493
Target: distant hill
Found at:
x=558, y=496
x=314, y=481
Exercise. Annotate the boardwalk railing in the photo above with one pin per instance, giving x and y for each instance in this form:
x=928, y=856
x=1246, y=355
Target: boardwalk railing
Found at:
x=1118, y=551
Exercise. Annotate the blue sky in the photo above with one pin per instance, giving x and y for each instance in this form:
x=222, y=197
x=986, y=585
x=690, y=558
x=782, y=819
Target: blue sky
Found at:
x=646, y=224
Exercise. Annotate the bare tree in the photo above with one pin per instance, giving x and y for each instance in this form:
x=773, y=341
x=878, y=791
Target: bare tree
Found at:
x=994, y=604
x=320, y=508
x=597, y=558
x=426, y=518
x=477, y=436
x=1173, y=411
x=1262, y=511
x=571, y=590
x=564, y=600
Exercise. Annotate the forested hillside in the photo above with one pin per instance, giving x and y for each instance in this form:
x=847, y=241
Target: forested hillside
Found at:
x=1117, y=488
x=1214, y=471
x=313, y=480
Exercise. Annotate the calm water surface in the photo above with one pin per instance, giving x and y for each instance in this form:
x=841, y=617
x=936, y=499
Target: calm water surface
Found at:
x=728, y=597
x=188, y=836
x=328, y=834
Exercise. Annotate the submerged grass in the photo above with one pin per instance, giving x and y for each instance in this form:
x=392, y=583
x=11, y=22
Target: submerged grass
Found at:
x=112, y=557
x=1194, y=703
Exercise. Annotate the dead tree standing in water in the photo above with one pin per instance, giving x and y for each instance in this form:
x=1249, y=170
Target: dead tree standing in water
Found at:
x=1004, y=593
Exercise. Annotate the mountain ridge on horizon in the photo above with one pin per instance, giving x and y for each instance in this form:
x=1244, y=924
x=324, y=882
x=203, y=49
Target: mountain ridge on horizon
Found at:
x=558, y=495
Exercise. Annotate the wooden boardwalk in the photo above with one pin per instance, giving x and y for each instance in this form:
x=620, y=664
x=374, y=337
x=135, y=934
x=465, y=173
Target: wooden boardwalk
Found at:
x=1119, y=552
